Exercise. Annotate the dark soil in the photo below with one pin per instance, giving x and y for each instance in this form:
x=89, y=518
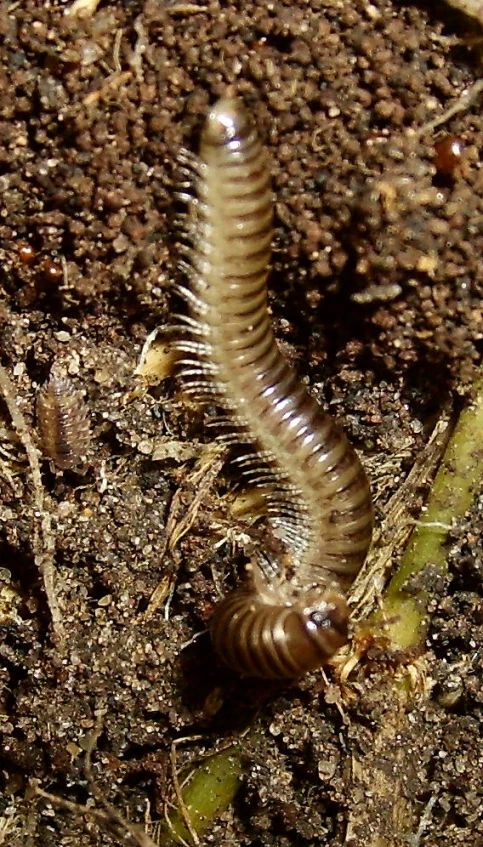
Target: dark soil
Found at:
x=377, y=296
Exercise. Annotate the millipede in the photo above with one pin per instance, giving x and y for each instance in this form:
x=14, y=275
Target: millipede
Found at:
x=63, y=423
x=292, y=615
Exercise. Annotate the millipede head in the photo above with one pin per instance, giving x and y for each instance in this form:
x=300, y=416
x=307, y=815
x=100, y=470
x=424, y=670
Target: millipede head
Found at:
x=325, y=621
x=282, y=641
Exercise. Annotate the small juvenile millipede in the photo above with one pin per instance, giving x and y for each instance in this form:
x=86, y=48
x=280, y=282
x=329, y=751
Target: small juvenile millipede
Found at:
x=63, y=423
x=293, y=615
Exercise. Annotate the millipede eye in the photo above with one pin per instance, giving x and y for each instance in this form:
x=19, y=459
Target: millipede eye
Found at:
x=319, y=619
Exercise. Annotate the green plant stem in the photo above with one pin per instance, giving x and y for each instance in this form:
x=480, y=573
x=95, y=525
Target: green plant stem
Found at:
x=459, y=478
x=208, y=792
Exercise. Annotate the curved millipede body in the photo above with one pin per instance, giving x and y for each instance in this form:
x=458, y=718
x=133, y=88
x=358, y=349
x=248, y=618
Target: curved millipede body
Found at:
x=294, y=616
x=63, y=423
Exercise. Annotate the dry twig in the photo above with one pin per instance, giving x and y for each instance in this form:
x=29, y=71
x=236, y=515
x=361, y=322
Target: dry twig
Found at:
x=182, y=516
x=43, y=538
x=462, y=103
